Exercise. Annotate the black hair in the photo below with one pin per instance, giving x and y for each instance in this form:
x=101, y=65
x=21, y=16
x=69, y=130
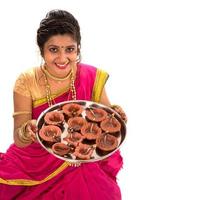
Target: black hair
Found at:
x=58, y=22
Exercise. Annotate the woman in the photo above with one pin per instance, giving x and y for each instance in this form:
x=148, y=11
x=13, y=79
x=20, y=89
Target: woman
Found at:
x=27, y=171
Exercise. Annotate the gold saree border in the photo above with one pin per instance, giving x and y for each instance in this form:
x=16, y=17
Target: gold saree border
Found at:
x=41, y=101
x=100, y=80
x=26, y=182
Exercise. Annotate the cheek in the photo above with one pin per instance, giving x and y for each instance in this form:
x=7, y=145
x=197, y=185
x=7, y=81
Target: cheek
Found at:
x=73, y=57
x=48, y=58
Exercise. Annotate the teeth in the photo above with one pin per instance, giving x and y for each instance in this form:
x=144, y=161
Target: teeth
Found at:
x=60, y=65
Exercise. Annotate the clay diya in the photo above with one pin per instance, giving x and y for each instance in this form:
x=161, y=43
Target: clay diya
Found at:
x=60, y=148
x=107, y=142
x=72, y=109
x=83, y=151
x=50, y=133
x=96, y=114
x=75, y=124
x=54, y=118
x=74, y=139
x=110, y=125
x=91, y=131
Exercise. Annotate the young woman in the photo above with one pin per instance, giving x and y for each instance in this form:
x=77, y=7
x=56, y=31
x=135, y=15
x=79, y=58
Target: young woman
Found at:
x=27, y=171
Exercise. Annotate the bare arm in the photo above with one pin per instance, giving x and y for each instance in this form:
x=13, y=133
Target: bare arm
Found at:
x=104, y=98
x=22, y=113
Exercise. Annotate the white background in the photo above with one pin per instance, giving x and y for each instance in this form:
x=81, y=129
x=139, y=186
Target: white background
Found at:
x=161, y=59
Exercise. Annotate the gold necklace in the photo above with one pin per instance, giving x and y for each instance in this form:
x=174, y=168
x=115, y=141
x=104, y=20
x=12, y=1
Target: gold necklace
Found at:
x=49, y=97
x=54, y=77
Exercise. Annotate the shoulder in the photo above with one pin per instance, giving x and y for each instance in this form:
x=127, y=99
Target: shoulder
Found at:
x=25, y=81
x=31, y=72
x=87, y=69
x=28, y=74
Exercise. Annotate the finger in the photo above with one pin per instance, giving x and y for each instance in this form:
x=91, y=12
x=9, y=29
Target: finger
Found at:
x=32, y=127
x=34, y=122
x=33, y=136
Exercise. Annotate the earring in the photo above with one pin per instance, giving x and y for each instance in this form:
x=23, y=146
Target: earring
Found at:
x=78, y=59
x=42, y=62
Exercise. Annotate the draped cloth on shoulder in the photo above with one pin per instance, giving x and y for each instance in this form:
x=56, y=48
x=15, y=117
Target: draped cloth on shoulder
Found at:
x=33, y=173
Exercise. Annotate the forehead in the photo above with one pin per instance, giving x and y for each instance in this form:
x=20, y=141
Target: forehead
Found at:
x=61, y=40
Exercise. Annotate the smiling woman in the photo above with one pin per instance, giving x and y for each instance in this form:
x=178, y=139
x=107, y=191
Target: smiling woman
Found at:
x=60, y=78
x=60, y=53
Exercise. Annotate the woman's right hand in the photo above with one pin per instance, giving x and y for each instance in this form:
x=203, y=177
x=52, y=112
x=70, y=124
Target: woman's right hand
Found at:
x=31, y=129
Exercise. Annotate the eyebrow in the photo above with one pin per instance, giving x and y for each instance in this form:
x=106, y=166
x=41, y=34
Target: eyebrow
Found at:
x=52, y=45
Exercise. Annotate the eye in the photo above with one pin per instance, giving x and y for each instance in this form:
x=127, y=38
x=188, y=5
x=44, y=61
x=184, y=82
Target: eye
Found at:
x=70, y=49
x=53, y=49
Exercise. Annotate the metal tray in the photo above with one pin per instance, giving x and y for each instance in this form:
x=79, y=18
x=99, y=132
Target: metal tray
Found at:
x=96, y=156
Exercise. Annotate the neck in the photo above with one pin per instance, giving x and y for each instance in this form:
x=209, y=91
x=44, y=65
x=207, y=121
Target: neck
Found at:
x=55, y=77
x=71, y=94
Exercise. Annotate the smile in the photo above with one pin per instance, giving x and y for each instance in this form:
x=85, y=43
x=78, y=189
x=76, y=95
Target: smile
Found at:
x=62, y=65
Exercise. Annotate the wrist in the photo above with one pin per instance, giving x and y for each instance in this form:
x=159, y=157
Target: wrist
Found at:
x=23, y=134
x=114, y=106
x=120, y=111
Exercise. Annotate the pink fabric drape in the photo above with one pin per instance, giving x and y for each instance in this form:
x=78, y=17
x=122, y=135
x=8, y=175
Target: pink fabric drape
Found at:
x=92, y=181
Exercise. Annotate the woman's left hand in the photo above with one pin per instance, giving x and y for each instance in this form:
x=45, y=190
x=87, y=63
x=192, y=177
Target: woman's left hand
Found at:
x=120, y=111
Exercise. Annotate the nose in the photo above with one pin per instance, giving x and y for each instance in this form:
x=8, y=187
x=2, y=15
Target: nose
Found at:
x=62, y=57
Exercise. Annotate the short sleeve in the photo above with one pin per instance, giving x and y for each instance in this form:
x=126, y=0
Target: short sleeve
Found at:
x=21, y=86
x=100, y=81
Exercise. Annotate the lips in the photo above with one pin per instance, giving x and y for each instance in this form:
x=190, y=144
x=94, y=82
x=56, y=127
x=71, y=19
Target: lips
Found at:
x=62, y=66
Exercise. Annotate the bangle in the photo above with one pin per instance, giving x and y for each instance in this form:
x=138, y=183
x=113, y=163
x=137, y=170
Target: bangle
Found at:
x=113, y=106
x=21, y=113
x=22, y=133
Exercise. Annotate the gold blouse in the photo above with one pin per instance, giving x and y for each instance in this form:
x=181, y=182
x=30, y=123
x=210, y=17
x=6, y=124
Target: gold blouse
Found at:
x=27, y=84
x=30, y=84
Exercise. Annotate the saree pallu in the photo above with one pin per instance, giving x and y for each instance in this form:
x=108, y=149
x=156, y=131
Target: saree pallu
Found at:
x=32, y=173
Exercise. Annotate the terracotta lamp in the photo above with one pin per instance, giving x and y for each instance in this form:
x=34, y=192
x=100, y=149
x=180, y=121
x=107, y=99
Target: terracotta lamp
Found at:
x=72, y=109
x=75, y=124
x=96, y=114
x=74, y=138
x=60, y=148
x=50, y=133
x=83, y=151
x=106, y=142
x=91, y=131
x=54, y=118
x=110, y=125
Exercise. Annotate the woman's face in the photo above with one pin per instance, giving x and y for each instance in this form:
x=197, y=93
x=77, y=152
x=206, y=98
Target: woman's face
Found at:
x=60, y=54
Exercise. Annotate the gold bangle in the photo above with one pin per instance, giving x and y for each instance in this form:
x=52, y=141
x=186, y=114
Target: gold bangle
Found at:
x=22, y=133
x=21, y=113
x=21, y=136
x=113, y=106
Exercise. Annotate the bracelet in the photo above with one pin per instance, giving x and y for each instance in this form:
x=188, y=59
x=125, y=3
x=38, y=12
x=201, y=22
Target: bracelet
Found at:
x=22, y=134
x=113, y=106
x=21, y=113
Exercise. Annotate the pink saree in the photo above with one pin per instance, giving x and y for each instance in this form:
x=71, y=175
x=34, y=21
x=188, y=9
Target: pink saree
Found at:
x=32, y=173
